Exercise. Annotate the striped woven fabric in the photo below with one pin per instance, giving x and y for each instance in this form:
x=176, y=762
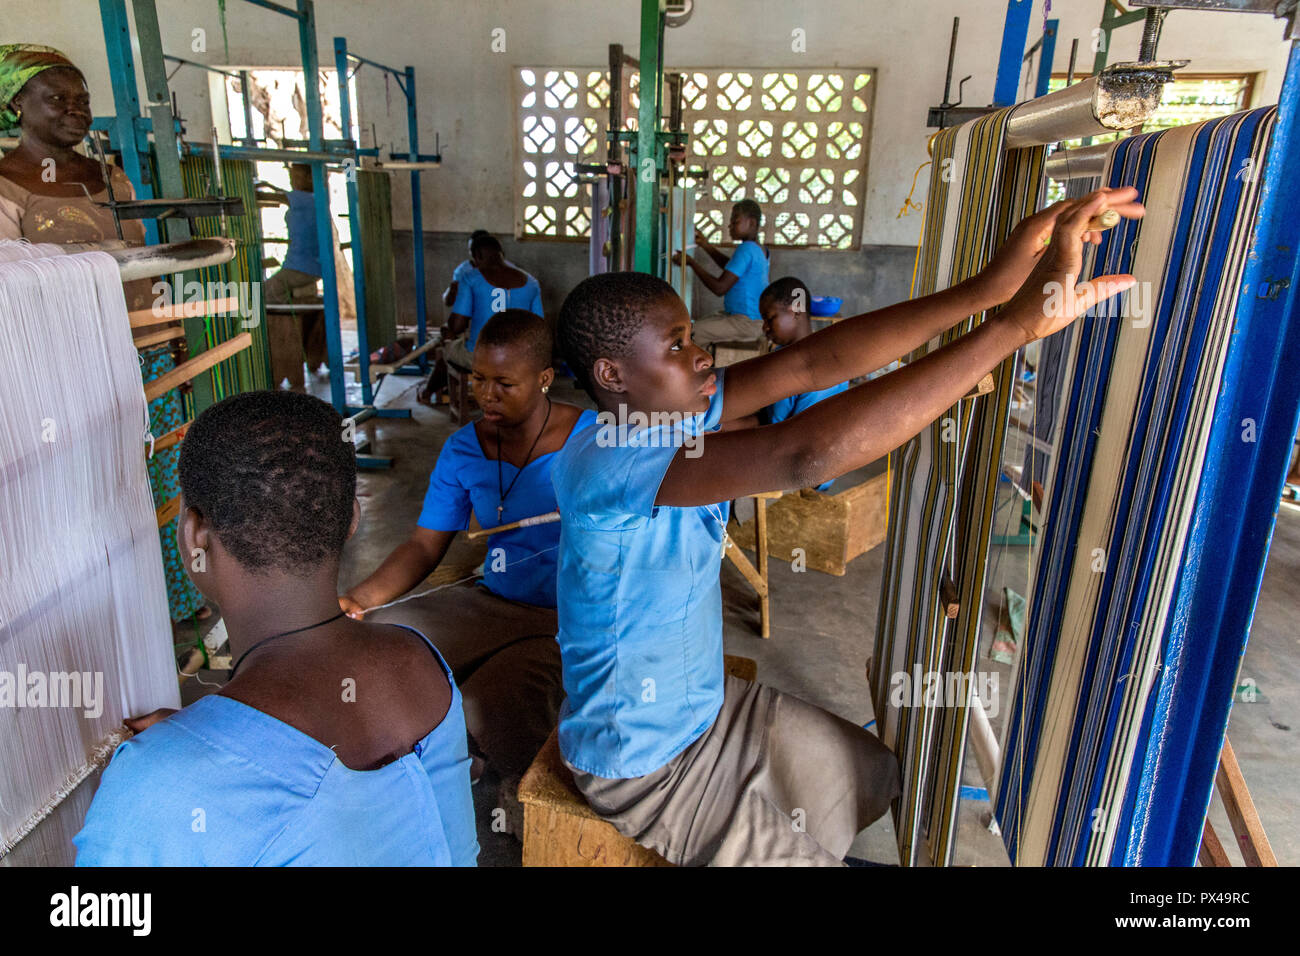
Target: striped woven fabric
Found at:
x=945, y=479
x=251, y=368
x=1098, y=671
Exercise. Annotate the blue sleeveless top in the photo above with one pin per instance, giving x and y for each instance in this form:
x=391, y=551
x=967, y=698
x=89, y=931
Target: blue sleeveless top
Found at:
x=223, y=784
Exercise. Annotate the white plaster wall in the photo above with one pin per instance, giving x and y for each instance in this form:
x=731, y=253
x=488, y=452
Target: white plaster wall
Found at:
x=465, y=90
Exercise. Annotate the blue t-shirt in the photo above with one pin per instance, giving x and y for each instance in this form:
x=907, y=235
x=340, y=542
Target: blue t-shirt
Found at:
x=640, y=606
x=520, y=564
x=223, y=784
x=480, y=300
x=304, y=249
x=459, y=273
x=749, y=265
x=788, y=407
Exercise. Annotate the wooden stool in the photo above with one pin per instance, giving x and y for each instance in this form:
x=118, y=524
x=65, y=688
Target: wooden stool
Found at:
x=561, y=830
x=460, y=403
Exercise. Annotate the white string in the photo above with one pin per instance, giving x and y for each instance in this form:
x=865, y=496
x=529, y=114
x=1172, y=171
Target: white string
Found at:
x=442, y=587
x=84, y=590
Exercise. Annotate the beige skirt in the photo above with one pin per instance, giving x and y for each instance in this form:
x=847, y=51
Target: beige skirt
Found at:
x=774, y=782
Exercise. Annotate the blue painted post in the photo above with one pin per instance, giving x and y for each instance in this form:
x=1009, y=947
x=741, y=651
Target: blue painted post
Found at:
x=1046, y=55
x=1249, y=450
x=354, y=220
x=321, y=194
x=417, y=218
x=1006, y=90
x=128, y=134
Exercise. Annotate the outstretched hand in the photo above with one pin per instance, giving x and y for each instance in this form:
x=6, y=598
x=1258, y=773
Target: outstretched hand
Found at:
x=1015, y=260
x=1051, y=297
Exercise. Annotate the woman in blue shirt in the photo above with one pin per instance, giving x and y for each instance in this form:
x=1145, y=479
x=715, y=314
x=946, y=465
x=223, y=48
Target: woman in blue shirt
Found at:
x=335, y=742
x=699, y=766
x=499, y=634
x=491, y=287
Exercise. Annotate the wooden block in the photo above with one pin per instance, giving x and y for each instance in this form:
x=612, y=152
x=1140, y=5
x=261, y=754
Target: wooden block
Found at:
x=560, y=829
x=948, y=599
x=832, y=529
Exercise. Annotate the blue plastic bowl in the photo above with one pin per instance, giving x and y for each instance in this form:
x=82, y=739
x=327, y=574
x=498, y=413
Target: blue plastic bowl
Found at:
x=824, y=305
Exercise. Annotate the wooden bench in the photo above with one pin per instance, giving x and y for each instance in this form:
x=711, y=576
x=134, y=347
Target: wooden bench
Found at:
x=561, y=830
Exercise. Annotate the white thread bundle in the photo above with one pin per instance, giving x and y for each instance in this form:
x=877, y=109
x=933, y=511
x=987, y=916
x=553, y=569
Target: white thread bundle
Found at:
x=83, y=590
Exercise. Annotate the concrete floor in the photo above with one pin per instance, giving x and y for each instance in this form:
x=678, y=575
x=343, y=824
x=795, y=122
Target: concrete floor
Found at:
x=822, y=636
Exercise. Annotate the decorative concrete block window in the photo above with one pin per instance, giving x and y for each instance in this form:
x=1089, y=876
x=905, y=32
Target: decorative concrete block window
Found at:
x=794, y=140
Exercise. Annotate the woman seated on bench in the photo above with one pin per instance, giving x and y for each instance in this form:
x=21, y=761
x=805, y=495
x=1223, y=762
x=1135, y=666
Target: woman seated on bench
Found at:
x=491, y=287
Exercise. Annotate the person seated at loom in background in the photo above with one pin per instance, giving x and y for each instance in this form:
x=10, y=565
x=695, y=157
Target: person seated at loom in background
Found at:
x=784, y=307
x=457, y=274
x=498, y=634
x=290, y=335
x=743, y=276
x=335, y=742
x=701, y=767
x=491, y=286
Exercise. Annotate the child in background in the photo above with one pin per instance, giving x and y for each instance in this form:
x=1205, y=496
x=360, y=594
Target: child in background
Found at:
x=784, y=307
x=698, y=766
x=335, y=742
x=743, y=276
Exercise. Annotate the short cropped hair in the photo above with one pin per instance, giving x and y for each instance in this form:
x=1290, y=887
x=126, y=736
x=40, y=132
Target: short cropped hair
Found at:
x=749, y=207
x=484, y=243
x=784, y=291
x=527, y=331
x=600, y=317
x=478, y=234
x=275, y=477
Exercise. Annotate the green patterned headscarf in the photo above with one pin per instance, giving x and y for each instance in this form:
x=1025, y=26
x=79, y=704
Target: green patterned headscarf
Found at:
x=19, y=62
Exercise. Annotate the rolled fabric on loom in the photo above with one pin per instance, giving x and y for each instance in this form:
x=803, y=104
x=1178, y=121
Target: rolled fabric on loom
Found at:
x=1131, y=395
x=1098, y=673
x=83, y=613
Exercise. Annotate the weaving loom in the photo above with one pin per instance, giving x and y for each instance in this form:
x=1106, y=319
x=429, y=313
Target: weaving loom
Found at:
x=1095, y=681
x=940, y=485
x=1128, y=422
x=84, y=595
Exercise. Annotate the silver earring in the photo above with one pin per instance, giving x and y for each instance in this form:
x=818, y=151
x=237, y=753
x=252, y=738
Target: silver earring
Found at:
x=545, y=389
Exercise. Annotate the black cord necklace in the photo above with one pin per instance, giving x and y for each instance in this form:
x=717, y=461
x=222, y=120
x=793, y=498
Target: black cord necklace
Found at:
x=296, y=630
x=502, y=490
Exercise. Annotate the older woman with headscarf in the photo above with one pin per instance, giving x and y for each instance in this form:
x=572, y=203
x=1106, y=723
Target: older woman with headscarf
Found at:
x=49, y=193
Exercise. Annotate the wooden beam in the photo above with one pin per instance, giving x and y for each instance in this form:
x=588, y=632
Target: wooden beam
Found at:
x=742, y=562
x=197, y=365
x=155, y=338
x=181, y=310
x=169, y=511
x=1212, y=852
x=171, y=438
x=1251, y=839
